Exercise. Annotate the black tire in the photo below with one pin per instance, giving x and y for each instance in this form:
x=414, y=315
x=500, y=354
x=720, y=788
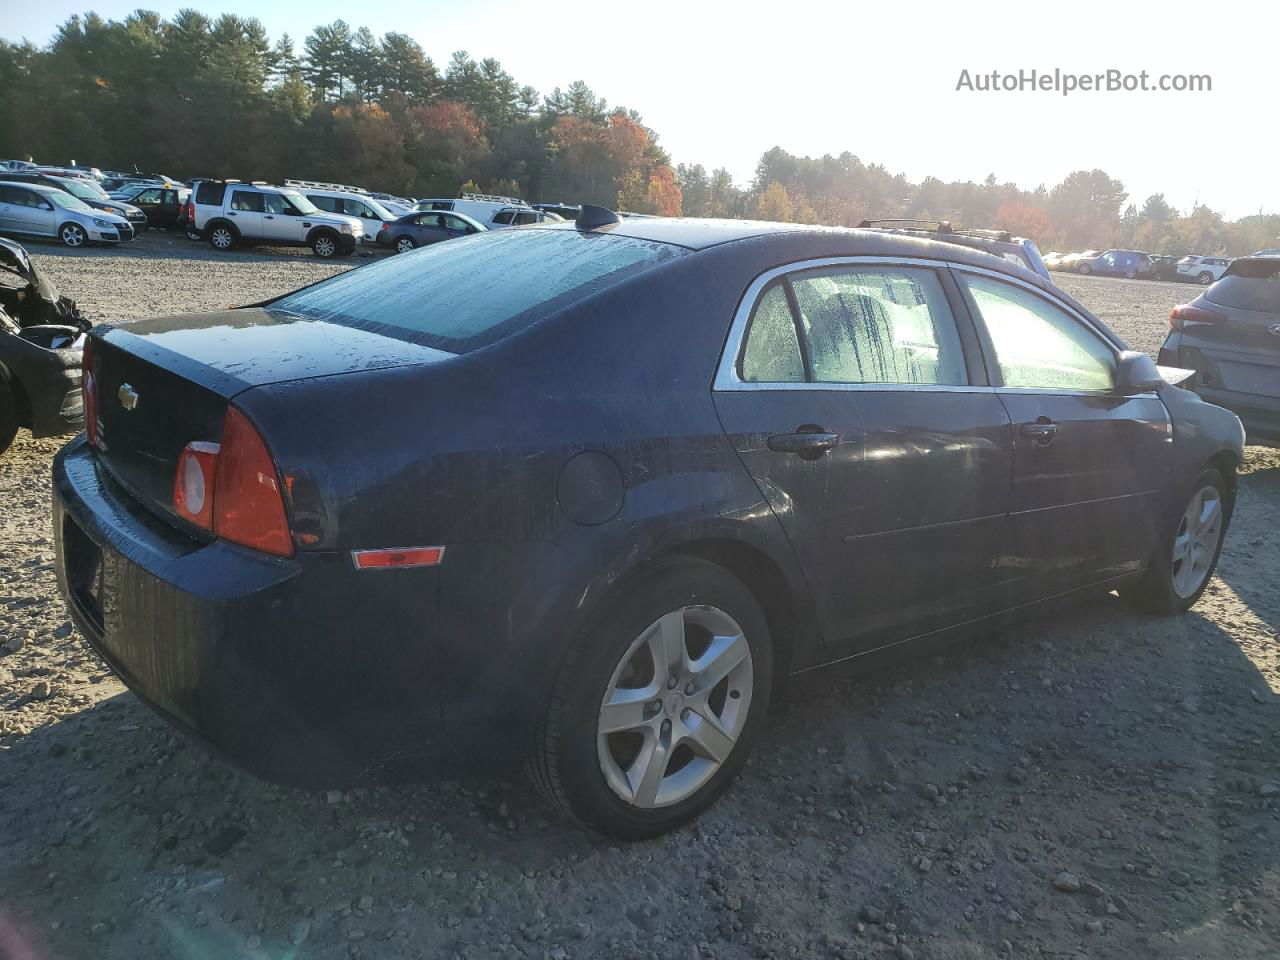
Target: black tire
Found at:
x=1204, y=278
x=404, y=244
x=1156, y=592
x=222, y=236
x=8, y=414
x=324, y=244
x=567, y=763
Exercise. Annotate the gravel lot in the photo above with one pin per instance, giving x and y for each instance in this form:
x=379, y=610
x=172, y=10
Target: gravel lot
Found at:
x=1096, y=784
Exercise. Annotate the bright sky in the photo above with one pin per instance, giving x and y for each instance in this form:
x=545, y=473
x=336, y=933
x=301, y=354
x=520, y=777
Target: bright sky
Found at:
x=722, y=82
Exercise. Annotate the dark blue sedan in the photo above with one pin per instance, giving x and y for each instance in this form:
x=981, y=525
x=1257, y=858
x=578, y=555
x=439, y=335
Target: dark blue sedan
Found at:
x=1130, y=264
x=423, y=229
x=584, y=495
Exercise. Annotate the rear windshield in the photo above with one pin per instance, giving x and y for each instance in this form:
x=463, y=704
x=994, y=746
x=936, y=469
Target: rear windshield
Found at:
x=1253, y=288
x=467, y=293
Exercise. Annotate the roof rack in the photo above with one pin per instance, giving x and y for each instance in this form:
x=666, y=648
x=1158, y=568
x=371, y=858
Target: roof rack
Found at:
x=321, y=185
x=494, y=198
x=936, y=226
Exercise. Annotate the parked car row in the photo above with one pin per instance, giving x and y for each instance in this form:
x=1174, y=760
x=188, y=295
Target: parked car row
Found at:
x=1136, y=265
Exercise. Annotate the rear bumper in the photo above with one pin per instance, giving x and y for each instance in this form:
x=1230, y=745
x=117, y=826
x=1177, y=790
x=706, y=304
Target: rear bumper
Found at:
x=1260, y=414
x=289, y=667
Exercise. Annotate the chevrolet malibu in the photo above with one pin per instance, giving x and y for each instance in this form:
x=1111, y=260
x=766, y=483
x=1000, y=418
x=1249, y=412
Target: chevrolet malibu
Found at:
x=585, y=495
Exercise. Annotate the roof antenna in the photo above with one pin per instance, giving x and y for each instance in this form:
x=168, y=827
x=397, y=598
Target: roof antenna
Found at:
x=591, y=216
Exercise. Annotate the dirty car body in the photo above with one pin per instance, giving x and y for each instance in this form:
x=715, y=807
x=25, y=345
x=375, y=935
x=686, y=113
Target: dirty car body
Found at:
x=41, y=340
x=1230, y=336
x=564, y=407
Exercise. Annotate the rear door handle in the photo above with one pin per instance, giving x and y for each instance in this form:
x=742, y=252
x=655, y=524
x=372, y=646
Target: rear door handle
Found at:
x=1042, y=432
x=808, y=442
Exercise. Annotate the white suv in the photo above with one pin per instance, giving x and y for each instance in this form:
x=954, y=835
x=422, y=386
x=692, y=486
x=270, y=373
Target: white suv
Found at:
x=494, y=212
x=1203, y=270
x=349, y=201
x=230, y=212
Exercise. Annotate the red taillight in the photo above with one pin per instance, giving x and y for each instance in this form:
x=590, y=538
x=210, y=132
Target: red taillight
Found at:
x=1185, y=315
x=232, y=488
x=194, y=483
x=89, y=393
x=248, y=506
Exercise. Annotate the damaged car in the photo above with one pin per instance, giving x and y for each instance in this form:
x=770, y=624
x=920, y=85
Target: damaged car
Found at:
x=41, y=346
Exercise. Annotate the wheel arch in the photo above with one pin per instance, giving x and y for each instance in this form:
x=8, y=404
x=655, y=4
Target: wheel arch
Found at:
x=767, y=583
x=1226, y=462
x=321, y=230
x=216, y=222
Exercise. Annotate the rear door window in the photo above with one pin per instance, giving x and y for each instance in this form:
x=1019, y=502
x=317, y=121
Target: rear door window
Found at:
x=503, y=217
x=327, y=204
x=247, y=200
x=475, y=290
x=888, y=325
x=772, y=352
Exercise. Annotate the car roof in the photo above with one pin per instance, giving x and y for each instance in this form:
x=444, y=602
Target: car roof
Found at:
x=38, y=187
x=696, y=233
x=703, y=234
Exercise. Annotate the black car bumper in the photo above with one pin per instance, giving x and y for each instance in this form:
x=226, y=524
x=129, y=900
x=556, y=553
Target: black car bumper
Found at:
x=286, y=666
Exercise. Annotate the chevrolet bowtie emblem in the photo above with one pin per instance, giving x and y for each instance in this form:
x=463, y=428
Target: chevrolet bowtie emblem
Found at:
x=128, y=396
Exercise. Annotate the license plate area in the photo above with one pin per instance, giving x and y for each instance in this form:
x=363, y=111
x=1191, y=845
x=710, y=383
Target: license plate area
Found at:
x=84, y=571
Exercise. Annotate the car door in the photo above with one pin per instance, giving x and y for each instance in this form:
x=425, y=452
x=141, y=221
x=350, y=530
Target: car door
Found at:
x=32, y=213
x=1089, y=464
x=280, y=219
x=358, y=208
x=8, y=218
x=455, y=226
x=429, y=228
x=853, y=393
x=246, y=211
x=149, y=202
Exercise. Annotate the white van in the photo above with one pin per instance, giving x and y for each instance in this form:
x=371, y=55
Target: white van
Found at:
x=349, y=201
x=493, y=211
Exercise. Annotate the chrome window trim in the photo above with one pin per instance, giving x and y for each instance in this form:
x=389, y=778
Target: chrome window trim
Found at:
x=727, y=372
x=727, y=378
x=1062, y=305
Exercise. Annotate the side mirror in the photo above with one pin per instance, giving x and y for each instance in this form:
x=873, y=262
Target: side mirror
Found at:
x=1137, y=373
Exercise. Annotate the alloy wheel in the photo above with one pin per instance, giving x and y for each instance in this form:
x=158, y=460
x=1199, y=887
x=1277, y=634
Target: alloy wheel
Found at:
x=221, y=238
x=404, y=245
x=324, y=247
x=1196, y=542
x=675, y=707
x=73, y=235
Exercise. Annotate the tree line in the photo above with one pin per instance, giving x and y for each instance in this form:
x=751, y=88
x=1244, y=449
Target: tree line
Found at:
x=201, y=96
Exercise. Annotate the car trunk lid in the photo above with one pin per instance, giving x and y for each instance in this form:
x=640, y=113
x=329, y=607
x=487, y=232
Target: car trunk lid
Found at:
x=165, y=382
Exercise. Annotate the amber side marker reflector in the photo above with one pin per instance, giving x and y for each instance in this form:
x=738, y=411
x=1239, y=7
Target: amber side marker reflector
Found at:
x=401, y=557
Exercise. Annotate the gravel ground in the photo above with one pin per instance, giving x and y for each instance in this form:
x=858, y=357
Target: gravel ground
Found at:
x=1094, y=784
